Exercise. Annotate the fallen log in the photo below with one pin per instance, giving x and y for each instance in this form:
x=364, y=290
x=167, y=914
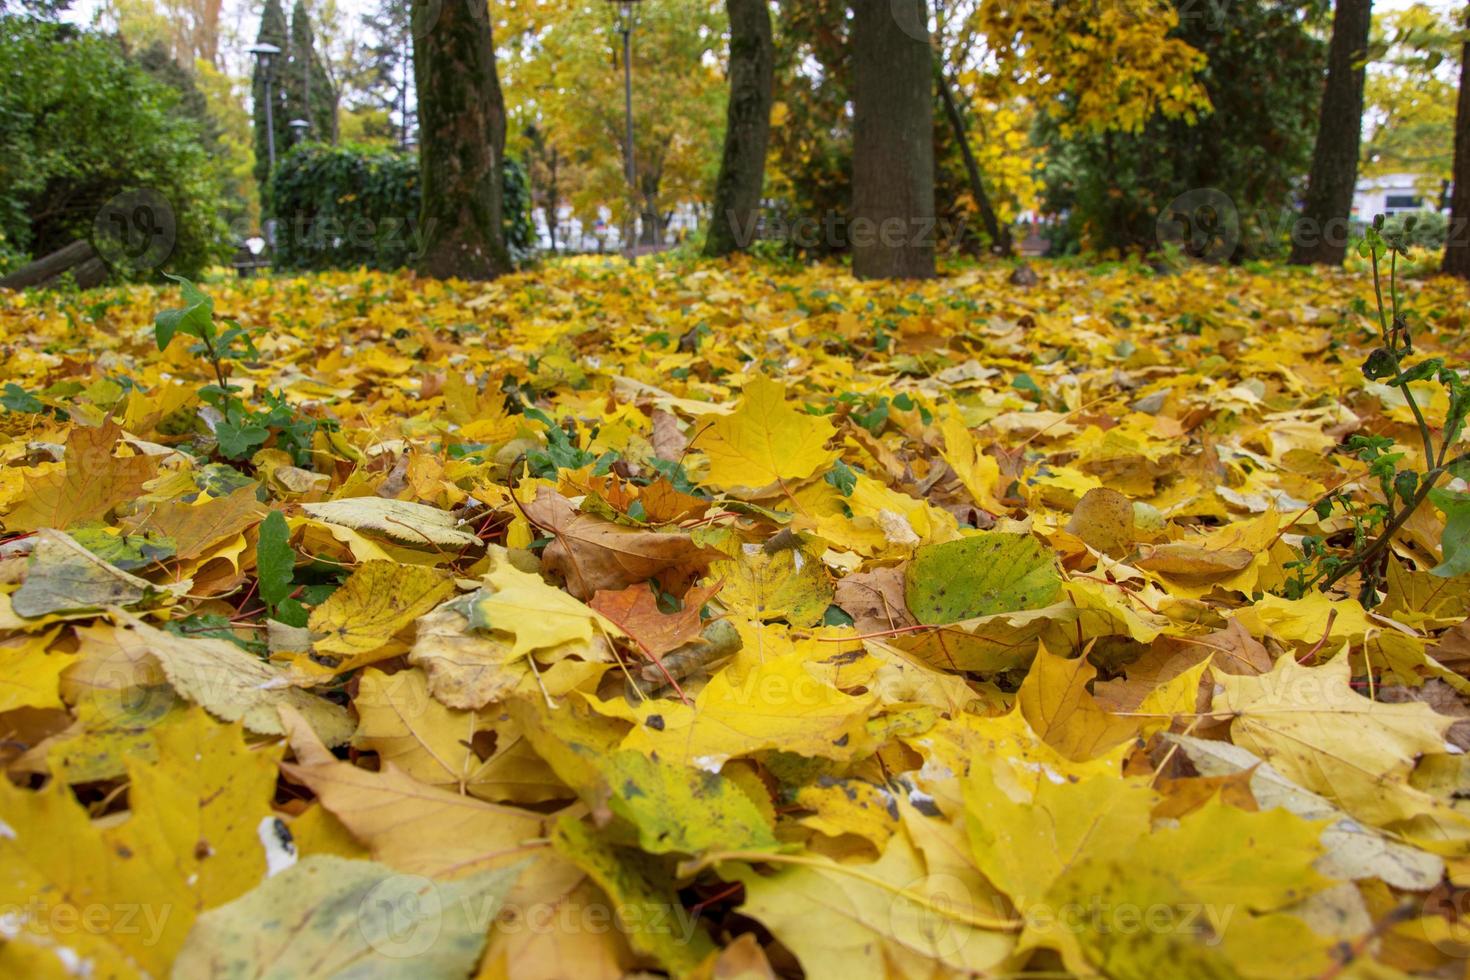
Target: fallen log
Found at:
x=79, y=257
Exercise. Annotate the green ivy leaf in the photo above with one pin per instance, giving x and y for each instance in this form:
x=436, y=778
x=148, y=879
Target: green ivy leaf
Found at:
x=237, y=440
x=1456, y=541
x=17, y=399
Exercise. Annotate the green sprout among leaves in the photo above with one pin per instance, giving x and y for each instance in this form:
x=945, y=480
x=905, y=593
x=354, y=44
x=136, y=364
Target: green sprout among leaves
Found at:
x=241, y=429
x=1403, y=487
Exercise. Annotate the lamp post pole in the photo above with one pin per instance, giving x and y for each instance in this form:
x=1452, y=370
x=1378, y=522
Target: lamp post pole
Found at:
x=264, y=55
x=630, y=166
x=630, y=161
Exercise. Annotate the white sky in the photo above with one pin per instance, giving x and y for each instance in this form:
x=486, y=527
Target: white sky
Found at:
x=242, y=17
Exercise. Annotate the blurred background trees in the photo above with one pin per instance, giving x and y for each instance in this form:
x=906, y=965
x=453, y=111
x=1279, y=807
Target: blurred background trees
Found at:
x=1067, y=127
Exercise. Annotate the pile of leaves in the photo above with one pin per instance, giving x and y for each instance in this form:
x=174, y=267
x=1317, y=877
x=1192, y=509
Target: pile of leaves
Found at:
x=724, y=620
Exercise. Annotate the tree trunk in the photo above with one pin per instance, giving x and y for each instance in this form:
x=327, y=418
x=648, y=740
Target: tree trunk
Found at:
x=1322, y=236
x=1457, y=244
x=1000, y=238
x=461, y=141
x=892, y=226
x=747, y=128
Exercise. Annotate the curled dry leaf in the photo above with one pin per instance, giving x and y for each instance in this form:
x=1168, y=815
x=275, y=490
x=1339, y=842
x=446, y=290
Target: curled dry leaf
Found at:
x=592, y=554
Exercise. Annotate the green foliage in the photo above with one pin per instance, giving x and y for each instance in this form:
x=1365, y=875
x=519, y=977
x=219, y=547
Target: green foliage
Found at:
x=1264, y=83
x=1402, y=488
x=810, y=170
x=1427, y=229
x=240, y=428
x=340, y=207
x=308, y=88
x=81, y=122
x=275, y=563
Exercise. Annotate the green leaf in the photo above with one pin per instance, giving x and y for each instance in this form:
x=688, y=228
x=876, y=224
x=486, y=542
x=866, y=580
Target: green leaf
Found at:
x=982, y=575
x=195, y=318
x=331, y=917
x=1456, y=541
x=237, y=440
x=17, y=399
x=642, y=894
x=1420, y=371
x=275, y=562
x=125, y=551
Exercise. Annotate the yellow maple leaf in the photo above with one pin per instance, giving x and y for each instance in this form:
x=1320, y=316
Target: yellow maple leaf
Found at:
x=190, y=841
x=377, y=600
x=765, y=441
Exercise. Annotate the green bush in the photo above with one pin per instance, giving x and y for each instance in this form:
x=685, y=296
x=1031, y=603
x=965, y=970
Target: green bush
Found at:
x=1429, y=231
x=1264, y=82
x=340, y=207
x=80, y=123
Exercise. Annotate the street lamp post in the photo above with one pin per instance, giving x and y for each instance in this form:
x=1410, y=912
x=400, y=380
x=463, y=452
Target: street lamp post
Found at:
x=264, y=57
x=299, y=128
x=625, y=27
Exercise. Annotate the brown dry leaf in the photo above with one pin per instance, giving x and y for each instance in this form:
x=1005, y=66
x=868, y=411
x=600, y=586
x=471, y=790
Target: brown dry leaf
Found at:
x=196, y=527
x=1453, y=649
x=665, y=505
x=1104, y=519
x=407, y=824
x=594, y=555
x=875, y=600
x=635, y=610
x=1231, y=651
x=91, y=484
x=1190, y=562
x=669, y=442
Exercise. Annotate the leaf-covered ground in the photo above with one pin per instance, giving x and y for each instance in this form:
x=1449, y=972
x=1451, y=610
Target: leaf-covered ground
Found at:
x=720, y=622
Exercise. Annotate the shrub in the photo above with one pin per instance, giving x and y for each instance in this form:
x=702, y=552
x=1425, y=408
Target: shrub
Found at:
x=80, y=123
x=1428, y=230
x=340, y=207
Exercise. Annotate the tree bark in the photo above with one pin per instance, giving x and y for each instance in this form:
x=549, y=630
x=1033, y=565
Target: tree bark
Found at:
x=461, y=141
x=892, y=226
x=747, y=129
x=1322, y=237
x=1000, y=238
x=1457, y=243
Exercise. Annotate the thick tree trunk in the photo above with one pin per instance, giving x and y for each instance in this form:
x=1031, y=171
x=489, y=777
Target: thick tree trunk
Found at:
x=892, y=226
x=1457, y=245
x=461, y=141
x=1322, y=237
x=1000, y=238
x=747, y=128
